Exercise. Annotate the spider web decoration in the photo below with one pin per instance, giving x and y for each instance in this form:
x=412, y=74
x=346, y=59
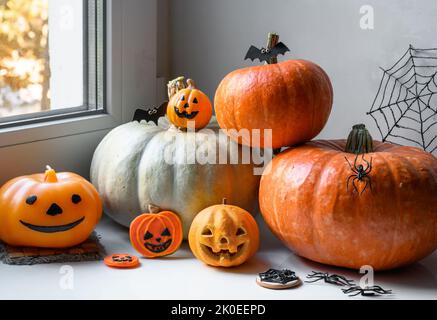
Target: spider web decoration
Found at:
x=405, y=106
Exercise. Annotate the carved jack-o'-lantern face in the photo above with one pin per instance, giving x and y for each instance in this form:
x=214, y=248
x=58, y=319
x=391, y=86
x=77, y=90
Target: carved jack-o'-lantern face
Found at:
x=189, y=104
x=224, y=235
x=156, y=233
x=158, y=237
x=48, y=210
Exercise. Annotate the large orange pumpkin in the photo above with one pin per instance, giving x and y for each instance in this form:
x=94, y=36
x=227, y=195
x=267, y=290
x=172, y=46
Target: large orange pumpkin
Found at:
x=339, y=208
x=54, y=210
x=293, y=98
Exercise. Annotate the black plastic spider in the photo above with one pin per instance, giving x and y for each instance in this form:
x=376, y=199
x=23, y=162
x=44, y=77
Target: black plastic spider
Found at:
x=329, y=278
x=360, y=173
x=367, y=291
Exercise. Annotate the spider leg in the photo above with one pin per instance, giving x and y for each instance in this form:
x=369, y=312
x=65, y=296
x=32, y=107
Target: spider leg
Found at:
x=348, y=179
x=350, y=166
x=367, y=182
x=357, y=293
x=315, y=280
x=355, y=162
x=367, y=163
x=355, y=186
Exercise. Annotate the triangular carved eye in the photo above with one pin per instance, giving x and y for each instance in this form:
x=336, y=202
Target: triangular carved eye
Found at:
x=166, y=232
x=240, y=232
x=207, y=232
x=31, y=200
x=182, y=98
x=148, y=236
x=195, y=100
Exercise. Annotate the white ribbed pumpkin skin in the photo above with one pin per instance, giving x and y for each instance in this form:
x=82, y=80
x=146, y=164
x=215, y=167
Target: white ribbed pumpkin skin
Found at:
x=130, y=172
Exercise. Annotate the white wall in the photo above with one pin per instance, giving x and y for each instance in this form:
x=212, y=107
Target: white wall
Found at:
x=209, y=38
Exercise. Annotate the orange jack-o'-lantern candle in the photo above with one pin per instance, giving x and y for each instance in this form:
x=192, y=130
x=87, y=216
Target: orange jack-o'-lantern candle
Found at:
x=49, y=210
x=156, y=234
x=188, y=104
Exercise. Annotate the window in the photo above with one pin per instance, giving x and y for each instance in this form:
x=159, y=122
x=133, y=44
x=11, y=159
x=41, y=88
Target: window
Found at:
x=51, y=60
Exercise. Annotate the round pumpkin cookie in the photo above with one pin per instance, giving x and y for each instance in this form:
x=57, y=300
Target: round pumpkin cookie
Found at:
x=121, y=260
x=157, y=233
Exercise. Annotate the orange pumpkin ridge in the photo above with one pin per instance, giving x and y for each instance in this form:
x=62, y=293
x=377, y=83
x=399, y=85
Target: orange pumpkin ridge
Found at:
x=156, y=233
x=387, y=221
x=50, y=210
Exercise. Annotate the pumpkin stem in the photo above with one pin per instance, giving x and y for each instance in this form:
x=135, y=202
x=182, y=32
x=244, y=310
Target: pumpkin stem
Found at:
x=191, y=84
x=153, y=209
x=50, y=175
x=224, y=201
x=272, y=41
x=175, y=85
x=359, y=140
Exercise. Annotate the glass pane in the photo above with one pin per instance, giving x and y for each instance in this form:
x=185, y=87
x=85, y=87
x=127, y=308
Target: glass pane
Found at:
x=41, y=55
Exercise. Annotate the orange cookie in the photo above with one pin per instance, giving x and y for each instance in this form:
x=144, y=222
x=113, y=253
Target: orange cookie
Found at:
x=122, y=260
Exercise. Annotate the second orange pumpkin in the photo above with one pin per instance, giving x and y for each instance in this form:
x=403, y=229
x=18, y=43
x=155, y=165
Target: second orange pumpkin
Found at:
x=293, y=98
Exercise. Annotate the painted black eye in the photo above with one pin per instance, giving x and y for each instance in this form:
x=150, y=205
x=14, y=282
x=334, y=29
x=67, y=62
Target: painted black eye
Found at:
x=148, y=236
x=75, y=198
x=166, y=232
x=207, y=232
x=182, y=98
x=31, y=200
x=240, y=232
x=195, y=100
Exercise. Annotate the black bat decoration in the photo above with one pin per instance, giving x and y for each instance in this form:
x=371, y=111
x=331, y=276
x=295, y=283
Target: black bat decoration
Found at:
x=264, y=54
x=152, y=114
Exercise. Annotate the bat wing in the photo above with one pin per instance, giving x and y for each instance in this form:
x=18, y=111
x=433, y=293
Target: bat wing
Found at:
x=280, y=48
x=152, y=114
x=254, y=53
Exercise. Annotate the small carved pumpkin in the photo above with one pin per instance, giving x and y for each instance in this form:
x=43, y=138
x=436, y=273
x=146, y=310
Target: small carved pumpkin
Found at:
x=224, y=235
x=156, y=234
x=50, y=210
x=189, y=104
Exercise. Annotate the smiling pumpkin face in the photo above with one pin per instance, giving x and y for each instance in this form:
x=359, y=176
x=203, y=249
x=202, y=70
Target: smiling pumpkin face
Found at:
x=224, y=236
x=48, y=210
x=189, y=104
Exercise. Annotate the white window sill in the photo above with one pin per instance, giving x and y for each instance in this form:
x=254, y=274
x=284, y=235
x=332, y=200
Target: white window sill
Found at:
x=34, y=132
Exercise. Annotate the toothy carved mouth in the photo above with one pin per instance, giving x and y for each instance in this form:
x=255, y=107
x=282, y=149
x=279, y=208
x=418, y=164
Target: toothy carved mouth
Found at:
x=184, y=114
x=223, y=252
x=157, y=248
x=52, y=229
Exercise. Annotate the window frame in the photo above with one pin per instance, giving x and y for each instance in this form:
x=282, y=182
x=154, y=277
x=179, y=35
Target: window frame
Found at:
x=54, y=125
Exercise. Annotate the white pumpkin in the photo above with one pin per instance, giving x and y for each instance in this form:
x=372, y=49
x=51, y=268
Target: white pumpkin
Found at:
x=138, y=164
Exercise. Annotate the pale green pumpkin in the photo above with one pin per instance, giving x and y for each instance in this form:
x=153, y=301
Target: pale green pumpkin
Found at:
x=131, y=170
